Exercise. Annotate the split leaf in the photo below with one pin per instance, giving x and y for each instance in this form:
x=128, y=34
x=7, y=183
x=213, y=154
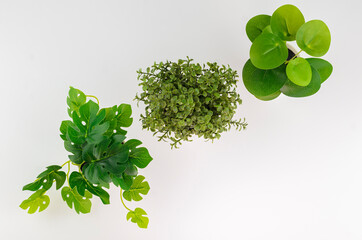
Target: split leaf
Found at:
x=81, y=204
x=137, y=216
x=36, y=201
x=138, y=187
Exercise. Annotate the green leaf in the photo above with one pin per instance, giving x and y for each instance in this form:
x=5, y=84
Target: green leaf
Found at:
x=286, y=21
x=269, y=97
x=138, y=187
x=268, y=51
x=323, y=67
x=77, y=180
x=299, y=71
x=137, y=216
x=133, y=143
x=36, y=201
x=125, y=181
x=140, y=157
x=46, y=178
x=75, y=99
x=292, y=90
x=124, y=115
x=64, y=129
x=314, y=38
x=76, y=149
x=81, y=204
x=263, y=83
x=256, y=25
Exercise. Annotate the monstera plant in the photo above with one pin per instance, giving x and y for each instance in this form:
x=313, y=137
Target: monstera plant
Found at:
x=273, y=68
x=184, y=99
x=100, y=154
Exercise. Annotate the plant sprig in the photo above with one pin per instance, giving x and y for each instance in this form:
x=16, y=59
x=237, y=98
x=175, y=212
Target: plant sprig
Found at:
x=96, y=140
x=184, y=99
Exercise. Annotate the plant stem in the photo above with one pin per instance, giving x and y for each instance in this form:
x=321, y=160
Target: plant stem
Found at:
x=93, y=97
x=123, y=202
x=68, y=172
x=65, y=163
x=293, y=57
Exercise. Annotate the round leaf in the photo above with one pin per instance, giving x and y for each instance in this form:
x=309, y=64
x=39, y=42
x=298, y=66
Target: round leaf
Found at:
x=268, y=51
x=292, y=90
x=286, y=21
x=314, y=38
x=263, y=83
x=323, y=67
x=256, y=25
x=299, y=71
x=270, y=97
x=267, y=29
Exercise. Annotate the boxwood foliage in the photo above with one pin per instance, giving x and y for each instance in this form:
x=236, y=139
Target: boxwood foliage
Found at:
x=183, y=99
x=96, y=141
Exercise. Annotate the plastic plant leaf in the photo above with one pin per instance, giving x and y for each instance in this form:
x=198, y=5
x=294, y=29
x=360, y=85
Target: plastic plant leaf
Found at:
x=292, y=90
x=77, y=180
x=46, y=178
x=140, y=157
x=323, y=67
x=36, y=201
x=286, y=21
x=75, y=99
x=270, y=97
x=76, y=151
x=268, y=51
x=299, y=71
x=138, y=187
x=263, y=83
x=314, y=38
x=133, y=143
x=256, y=25
x=137, y=216
x=267, y=29
x=124, y=115
x=125, y=181
x=81, y=204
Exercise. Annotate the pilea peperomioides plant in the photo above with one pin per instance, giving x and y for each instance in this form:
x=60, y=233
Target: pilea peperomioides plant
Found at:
x=96, y=140
x=273, y=68
x=184, y=99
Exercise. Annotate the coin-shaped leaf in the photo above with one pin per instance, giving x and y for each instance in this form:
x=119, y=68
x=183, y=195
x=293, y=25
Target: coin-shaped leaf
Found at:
x=268, y=51
x=299, y=71
x=286, y=21
x=263, y=83
x=256, y=25
x=270, y=97
x=323, y=67
x=314, y=38
x=292, y=90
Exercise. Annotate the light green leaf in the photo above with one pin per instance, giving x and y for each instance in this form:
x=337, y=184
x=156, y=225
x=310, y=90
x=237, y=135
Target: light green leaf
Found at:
x=256, y=25
x=299, y=71
x=268, y=51
x=314, y=38
x=124, y=115
x=75, y=99
x=36, y=201
x=140, y=157
x=137, y=216
x=138, y=187
x=323, y=67
x=46, y=178
x=286, y=21
x=270, y=97
x=81, y=204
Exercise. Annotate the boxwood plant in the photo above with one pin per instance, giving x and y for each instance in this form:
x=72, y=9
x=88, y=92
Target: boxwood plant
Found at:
x=100, y=154
x=269, y=71
x=184, y=99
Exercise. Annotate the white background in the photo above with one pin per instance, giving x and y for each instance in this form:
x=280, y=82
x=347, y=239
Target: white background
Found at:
x=294, y=174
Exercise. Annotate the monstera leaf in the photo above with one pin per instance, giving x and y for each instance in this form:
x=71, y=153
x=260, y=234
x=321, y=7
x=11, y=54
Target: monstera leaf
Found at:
x=138, y=187
x=81, y=204
x=137, y=216
x=75, y=99
x=36, y=201
x=46, y=178
x=118, y=117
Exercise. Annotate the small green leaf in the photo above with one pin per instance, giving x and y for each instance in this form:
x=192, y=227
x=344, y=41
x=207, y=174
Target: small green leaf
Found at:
x=36, y=201
x=46, y=178
x=81, y=204
x=137, y=216
x=124, y=115
x=140, y=157
x=256, y=25
x=299, y=71
x=323, y=67
x=138, y=187
x=314, y=38
x=268, y=51
x=263, y=83
x=75, y=99
x=286, y=21
x=270, y=97
x=133, y=143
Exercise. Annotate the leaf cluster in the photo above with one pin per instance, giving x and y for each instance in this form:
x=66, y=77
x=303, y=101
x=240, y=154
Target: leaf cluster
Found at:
x=184, y=99
x=273, y=68
x=96, y=141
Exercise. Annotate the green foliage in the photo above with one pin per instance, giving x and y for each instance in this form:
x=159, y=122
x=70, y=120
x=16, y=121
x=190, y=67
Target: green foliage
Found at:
x=184, y=99
x=96, y=140
x=138, y=187
x=137, y=216
x=271, y=70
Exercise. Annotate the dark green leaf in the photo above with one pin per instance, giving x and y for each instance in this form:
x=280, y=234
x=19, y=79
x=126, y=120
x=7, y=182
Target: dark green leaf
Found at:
x=140, y=157
x=138, y=187
x=46, y=178
x=323, y=67
x=125, y=181
x=133, y=143
x=256, y=25
x=36, y=201
x=137, y=216
x=75, y=99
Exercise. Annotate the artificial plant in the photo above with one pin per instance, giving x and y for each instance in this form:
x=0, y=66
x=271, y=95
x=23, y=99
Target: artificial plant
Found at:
x=184, y=99
x=272, y=69
x=96, y=140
